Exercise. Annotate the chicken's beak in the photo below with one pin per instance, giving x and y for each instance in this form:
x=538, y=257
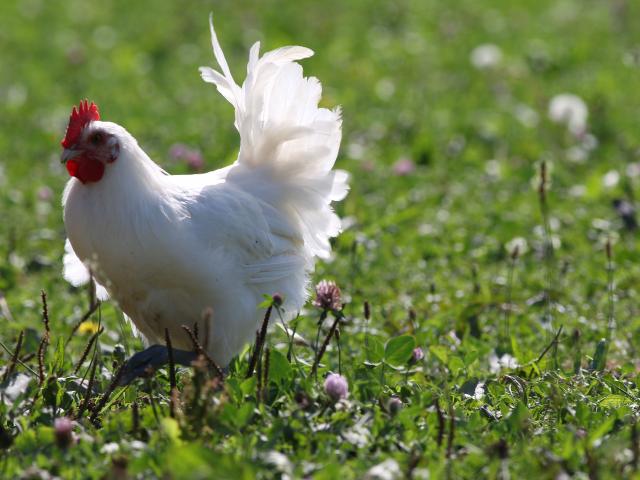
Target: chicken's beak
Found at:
x=68, y=154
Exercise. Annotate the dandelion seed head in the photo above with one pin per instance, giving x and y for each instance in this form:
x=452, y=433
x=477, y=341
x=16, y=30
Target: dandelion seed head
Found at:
x=570, y=110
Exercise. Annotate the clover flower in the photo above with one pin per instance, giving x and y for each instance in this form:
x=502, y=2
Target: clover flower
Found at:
x=403, y=167
x=327, y=296
x=486, y=56
x=63, y=431
x=417, y=355
x=570, y=110
x=192, y=158
x=387, y=470
x=277, y=300
x=394, y=405
x=336, y=387
x=45, y=194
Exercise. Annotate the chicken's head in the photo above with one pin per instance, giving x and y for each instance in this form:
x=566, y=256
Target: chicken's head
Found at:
x=88, y=147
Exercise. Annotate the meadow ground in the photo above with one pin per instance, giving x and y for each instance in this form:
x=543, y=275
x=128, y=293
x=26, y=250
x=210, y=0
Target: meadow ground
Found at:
x=500, y=242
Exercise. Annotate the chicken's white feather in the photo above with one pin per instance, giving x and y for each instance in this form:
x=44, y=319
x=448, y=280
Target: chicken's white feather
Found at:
x=77, y=274
x=168, y=248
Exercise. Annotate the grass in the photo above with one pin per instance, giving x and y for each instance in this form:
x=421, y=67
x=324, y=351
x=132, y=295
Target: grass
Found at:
x=531, y=361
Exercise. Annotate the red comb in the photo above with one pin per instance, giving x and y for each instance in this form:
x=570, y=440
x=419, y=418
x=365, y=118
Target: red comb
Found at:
x=78, y=120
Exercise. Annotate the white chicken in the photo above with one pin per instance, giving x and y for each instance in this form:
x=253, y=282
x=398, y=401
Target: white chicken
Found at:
x=168, y=248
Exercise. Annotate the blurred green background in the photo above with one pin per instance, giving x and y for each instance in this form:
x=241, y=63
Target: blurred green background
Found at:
x=470, y=137
x=443, y=141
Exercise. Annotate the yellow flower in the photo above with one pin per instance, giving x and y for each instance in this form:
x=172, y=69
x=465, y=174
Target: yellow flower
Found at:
x=89, y=327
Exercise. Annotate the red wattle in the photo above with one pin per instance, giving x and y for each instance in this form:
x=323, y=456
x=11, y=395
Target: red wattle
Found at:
x=85, y=169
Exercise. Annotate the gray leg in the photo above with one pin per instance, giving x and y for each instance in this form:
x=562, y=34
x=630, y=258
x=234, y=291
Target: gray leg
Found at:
x=153, y=357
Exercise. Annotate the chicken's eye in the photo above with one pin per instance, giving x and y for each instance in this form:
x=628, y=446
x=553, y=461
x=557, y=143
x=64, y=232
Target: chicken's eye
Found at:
x=96, y=138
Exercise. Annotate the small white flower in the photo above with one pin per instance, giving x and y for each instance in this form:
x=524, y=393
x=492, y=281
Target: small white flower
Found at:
x=280, y=462
x=492, y=168
x=577, y=154
x=17, y=94
x=518, y=242
x=109, y=448
x=506, y=361
x=358, y=436
x=387, y=470
x=385, y=89
x=442, y=215
x=578, y=191
x=421, y=474
x=601, y=224
x=486, y=56
x=526, y=115
x=137, y=445
x=569, y=109
x=355, y=150
x=589, y=142
x=17, y=387
x=611, y=178
x=479, y=391
x=426, y=229
x=633, y=170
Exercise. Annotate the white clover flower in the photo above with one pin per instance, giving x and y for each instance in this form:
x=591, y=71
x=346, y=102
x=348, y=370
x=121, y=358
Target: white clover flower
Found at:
x=505, y=362
x=280, y=462
x=570, y=110
x=526, y=115
x=16, y=387
x=633, y=170
x=137, y=445
x=578, y=191
x=479, y=391
x=387, y=470
x=589, y=142
x=611, y=179
x=358, y=435
x=492, y=168
x=486, y=56
x=577, y=154
x=518, y=243
x=355, y=150
x=385, y=88
x=109, y=448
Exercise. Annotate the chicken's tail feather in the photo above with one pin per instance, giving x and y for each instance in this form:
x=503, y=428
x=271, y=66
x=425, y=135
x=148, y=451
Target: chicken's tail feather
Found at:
x=288, y=146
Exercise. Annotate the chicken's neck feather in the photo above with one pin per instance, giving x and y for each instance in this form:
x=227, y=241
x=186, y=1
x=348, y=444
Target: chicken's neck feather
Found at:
x=132, y=181
x=135, y=205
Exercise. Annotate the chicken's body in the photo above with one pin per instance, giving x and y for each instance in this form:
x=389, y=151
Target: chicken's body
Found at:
x=169, y=248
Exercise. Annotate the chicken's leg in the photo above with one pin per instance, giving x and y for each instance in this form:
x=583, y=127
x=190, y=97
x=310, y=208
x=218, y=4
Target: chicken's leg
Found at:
x=153, y=357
